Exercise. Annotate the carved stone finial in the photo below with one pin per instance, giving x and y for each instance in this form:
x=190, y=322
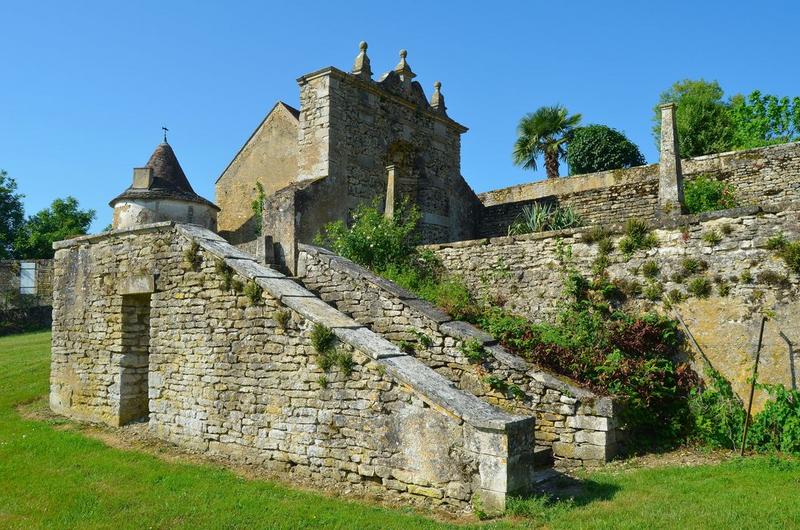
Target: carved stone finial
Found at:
x=404, y=70
x=437, y=99
x=361, y=67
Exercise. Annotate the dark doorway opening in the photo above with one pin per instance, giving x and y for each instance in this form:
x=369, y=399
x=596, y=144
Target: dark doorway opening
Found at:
x=134, y=363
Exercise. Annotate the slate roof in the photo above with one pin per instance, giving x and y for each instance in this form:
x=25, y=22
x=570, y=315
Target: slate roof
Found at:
x=169, y=181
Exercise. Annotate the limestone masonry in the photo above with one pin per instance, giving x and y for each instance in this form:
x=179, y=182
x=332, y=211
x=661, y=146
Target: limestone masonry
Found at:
x=227, y=332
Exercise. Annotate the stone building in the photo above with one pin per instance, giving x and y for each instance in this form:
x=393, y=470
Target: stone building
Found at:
x=202, y=335
x=354, y=140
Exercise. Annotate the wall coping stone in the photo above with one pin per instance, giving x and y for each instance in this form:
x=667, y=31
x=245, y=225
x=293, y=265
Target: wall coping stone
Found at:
x=96, y=238
x=540, y=189
x=619, y=228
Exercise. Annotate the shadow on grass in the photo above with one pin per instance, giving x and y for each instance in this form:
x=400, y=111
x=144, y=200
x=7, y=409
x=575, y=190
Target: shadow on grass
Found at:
x=557, y=494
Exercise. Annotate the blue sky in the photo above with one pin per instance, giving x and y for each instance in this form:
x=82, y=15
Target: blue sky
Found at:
x=86, y=86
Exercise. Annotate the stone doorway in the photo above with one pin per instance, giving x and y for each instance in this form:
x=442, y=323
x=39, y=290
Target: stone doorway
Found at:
x=134, y=359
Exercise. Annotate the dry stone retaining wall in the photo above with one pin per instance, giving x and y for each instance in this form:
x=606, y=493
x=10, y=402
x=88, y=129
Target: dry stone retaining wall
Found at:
x=580, y=426
x=145, y=326
x=523, y=274
x=763, y=176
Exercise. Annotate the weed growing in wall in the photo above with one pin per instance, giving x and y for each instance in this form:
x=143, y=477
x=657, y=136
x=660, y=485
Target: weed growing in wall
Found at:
x=595, y=234
x=637, y=237
x=322, y=338
x=281, y=317
x=226, y=273
x=192, y=256
x=700, y=287
x=473, y=351
x=788, y=251
x=653, y=291
x=650, y=269
x=258, y=207
x=253, y=292
x=712, y=238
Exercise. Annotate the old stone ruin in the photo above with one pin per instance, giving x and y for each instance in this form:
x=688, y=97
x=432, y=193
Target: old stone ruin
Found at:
x=234, y=335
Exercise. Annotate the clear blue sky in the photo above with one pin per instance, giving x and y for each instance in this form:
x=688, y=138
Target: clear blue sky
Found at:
x=86, y=86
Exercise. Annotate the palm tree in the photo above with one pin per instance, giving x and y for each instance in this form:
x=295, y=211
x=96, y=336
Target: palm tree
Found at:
x=544, y=132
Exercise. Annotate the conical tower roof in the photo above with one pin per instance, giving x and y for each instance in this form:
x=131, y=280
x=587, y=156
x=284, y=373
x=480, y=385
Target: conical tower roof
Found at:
x=168, y=181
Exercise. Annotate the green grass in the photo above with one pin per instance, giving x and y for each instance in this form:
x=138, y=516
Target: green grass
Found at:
x=59, y=478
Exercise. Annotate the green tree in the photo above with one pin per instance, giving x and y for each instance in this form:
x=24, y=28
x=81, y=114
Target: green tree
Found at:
x=62, y=220
x=600, y=148
x=764, y=119
x=703, y=119
x=544, y=133
x=12, y=214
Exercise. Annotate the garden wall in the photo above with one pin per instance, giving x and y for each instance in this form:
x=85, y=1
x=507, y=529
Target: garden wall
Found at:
x=10, y=296
x=763, y=176
x=154, y=324
x=524, y=275
x=580, y=426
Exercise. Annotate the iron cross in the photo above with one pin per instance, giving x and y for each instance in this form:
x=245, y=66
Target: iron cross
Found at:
x=165, y=133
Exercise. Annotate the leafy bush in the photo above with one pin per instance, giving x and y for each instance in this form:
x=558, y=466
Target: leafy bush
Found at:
x=373, y=240
x=706, y=194
x=540, y=217
x=612, y=352
x=389, y=248
x=777, y=426
x=601, y=148
x=717, y=412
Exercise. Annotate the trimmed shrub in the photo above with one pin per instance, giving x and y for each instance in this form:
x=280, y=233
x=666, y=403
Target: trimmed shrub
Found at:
x=706, y=194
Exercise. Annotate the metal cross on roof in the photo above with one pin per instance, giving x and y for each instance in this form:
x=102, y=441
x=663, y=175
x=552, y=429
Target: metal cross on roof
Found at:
x=165, y=133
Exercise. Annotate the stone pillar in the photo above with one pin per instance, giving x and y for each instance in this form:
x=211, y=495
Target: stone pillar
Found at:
x=391, y=183
x=670, y=176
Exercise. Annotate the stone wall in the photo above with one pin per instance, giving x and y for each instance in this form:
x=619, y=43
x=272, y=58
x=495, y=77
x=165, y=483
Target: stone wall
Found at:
x=268, y=157
x=579, y=426
x=763, y=176
x=10, y=296
x=236, y=374
x=522, y=273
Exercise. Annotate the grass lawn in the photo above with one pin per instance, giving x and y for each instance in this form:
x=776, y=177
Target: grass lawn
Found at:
x=55, y=478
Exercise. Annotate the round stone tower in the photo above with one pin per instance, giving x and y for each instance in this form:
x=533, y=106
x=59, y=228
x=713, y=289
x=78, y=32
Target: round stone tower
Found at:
x=161, y=192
